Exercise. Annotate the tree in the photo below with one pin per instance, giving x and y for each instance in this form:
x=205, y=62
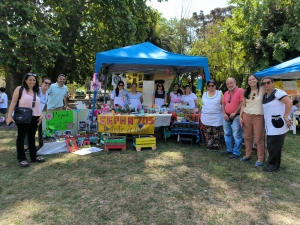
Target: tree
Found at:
x=51, y=37
x=27, y=42
x=225, y=54
x=269, y=31
x=216, y=15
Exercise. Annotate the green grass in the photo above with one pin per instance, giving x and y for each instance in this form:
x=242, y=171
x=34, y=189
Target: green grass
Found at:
x=175, y=184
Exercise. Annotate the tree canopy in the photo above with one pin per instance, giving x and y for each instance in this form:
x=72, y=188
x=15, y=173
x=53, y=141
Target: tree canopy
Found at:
x=51, y=37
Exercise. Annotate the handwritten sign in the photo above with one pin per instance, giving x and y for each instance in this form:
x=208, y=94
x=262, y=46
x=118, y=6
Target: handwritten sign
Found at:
x=126, y=124
x=60, y=120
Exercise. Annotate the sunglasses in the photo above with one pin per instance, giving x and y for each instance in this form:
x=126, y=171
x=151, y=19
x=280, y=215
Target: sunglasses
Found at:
x=30, y=74
x=159, y=85
x=210, y=85
x=253, y=96
x=121, y=85
x=47, y=83
x=264, y=83
x=61, y=75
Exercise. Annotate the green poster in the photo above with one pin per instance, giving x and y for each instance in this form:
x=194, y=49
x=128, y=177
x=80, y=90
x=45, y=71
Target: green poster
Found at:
x=60, y=120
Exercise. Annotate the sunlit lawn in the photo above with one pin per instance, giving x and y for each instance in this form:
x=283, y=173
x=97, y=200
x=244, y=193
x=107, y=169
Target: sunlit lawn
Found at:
x=176, y=184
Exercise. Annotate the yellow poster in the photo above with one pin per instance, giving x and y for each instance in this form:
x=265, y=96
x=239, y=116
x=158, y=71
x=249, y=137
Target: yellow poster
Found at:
x=278, y=84
x=298, y=85
x=126, y=124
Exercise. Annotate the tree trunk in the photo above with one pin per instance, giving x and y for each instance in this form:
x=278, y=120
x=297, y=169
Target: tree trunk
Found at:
x=12, y=79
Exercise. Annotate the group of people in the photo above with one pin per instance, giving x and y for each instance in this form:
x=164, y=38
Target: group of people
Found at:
x=121, y=96
x=259, y=109
x=54, y=95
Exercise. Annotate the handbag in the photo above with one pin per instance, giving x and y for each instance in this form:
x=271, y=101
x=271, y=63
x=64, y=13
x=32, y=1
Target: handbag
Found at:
x=23, y=115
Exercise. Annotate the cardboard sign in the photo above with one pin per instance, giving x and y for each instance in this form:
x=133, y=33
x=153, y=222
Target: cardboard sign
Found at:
x=126, y=124
x=60, y=120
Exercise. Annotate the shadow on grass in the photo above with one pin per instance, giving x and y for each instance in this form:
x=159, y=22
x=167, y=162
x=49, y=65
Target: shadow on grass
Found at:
x=176, y=184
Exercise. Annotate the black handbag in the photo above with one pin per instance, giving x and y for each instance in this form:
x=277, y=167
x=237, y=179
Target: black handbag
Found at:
x=23, y=115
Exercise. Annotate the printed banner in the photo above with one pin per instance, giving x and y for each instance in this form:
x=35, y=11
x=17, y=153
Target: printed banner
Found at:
x=126, y=124
x=60, y=120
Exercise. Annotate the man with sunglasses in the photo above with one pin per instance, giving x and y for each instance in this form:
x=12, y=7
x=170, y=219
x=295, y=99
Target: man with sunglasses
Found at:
x=57, y=94
x=231, y=105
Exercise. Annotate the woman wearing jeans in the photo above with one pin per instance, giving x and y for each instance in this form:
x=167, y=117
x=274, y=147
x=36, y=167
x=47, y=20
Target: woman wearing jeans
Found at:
x=30, y=88
x=252, y=119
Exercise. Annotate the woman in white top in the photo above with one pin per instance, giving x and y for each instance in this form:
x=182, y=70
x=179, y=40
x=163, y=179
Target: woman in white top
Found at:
x=159, y=96
x=189, y=98
x=135, y=97
x=277, y=107
x=211, y=115
x=252, y=119
x=43, y=92
x=119, y=96
x=175, y=96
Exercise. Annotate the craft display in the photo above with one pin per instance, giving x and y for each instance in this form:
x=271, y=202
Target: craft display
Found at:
x=85, y=132
x=72, y=145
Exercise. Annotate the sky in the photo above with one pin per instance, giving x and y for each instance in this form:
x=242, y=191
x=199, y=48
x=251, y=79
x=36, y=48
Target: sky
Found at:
x=173, y=8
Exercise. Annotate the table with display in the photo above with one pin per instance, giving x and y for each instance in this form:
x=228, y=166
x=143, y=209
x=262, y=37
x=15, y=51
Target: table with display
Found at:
x=186, y=131
x=191, y=117
x=160, y=121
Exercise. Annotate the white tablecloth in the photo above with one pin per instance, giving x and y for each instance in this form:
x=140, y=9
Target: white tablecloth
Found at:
x=53, y=147
x=161, y=120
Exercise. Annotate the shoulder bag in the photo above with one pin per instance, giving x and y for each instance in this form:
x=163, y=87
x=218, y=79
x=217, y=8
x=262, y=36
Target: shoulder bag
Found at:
x=23, y=115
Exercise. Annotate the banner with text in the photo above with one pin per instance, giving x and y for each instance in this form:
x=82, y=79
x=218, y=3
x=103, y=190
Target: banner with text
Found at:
x=126, y=124
x=60, y=120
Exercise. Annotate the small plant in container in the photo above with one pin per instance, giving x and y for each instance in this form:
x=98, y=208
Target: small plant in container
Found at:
x=180, y=117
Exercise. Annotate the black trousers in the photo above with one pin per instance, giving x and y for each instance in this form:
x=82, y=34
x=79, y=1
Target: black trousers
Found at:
x=274, y=145
x=30, y=130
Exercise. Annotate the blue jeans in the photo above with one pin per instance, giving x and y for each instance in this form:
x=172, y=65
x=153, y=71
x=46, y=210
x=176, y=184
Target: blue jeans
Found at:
x=233, y=135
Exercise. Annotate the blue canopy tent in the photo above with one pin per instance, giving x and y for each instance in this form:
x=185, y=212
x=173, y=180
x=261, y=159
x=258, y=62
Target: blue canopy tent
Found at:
x=286, y=70
x=148, y=58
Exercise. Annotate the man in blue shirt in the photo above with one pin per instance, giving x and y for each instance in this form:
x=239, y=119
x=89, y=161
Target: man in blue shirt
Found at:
x=57, y=94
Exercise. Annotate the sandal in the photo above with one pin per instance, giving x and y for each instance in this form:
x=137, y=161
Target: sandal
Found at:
x=24, y=163
x=38, y=159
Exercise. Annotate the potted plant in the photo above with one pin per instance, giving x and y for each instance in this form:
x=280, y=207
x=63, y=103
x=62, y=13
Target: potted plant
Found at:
x=180, y=117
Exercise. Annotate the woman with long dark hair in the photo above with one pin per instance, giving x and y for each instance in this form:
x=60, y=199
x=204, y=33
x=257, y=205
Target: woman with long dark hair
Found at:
x=252, y=119
x=175, y=95
x=119, y=96
x=159, y=96
x=30, y=88
x=43, y=95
